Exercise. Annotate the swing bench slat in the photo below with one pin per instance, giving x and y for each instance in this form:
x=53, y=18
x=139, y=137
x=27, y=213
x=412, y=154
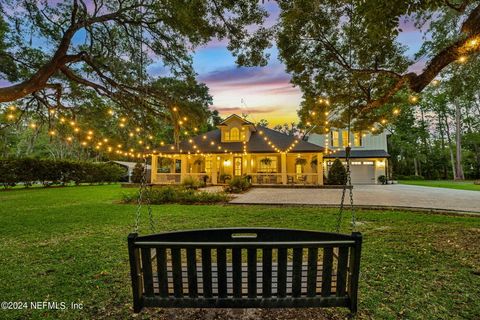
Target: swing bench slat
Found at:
x=245, y=268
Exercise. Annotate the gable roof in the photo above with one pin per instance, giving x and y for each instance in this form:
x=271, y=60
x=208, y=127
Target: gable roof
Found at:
x=244, y=121
x=256, y=144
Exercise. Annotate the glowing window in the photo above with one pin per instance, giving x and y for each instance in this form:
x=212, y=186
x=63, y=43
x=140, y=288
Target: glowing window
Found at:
x=234, y=134
x=208, y=166
x=335, y=142
x=345, y=139
x=226, y=136
x=357, y=139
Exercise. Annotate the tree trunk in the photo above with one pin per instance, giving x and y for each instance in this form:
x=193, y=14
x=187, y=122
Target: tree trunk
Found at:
x=458, y=133
x=415, y=164
x=450, y=147
x=442, y=144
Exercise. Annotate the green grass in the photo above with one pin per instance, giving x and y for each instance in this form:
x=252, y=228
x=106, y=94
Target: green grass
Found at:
x=69, y=244
x=460, y=185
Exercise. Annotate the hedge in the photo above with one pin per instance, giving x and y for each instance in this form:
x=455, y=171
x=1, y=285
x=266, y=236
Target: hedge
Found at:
x=49, y=172
x=178, y=194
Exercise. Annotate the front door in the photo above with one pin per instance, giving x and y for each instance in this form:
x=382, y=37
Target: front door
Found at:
x=237, y=166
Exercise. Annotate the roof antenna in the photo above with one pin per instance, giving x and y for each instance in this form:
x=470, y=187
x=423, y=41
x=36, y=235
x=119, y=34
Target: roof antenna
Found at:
x=245, y=112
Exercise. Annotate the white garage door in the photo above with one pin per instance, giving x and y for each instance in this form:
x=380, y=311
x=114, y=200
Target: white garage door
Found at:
x=363, y=172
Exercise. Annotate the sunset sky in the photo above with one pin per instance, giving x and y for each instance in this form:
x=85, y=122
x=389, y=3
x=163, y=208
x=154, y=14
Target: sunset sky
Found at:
x=265, y=91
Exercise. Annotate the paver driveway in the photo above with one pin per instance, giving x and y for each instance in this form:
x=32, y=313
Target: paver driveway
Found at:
x=397, y=195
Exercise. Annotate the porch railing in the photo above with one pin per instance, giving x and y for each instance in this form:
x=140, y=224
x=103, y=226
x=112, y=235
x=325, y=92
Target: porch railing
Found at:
x=176, y=178
x=266, y=178
x=302, y=178
x=168, y=178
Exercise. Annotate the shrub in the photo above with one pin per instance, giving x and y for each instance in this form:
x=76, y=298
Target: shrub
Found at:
x=181, y=195
x=192, y=183
x=413, y=177
x=137, y=173
x=237, y=185
x=337, y=175
x=7, y=174
x=382, y=179
x=47, y=172
x=225, y=177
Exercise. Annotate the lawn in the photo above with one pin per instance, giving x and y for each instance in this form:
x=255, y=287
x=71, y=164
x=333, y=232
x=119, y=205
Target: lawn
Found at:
x=460, y=185
x=69, y=244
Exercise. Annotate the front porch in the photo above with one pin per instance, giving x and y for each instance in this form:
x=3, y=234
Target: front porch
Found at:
x=261, y=168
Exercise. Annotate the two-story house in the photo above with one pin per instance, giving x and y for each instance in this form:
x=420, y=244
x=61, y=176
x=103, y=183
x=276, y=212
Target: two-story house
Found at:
x=369, y=153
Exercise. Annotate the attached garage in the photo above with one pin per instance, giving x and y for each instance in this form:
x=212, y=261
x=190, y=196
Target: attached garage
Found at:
x=365, y=165
x=362, y=172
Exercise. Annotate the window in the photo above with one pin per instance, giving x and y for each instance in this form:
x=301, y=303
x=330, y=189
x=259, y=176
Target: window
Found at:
x=368, y=163
x=357, y=139
x=226, y=135
x=335, y=142
x=345, y=138
x=356, y=163
x=234, y=134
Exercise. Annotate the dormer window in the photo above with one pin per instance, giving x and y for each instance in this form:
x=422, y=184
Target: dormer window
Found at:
x=234, y=134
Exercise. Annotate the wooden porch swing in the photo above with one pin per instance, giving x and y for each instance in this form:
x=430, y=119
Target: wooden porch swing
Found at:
x=245, y=267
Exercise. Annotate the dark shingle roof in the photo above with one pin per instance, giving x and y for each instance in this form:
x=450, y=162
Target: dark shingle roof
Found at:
x=360, y=154
x=256, y=144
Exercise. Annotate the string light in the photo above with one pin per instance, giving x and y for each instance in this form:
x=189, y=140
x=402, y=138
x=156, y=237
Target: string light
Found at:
x=462, y=59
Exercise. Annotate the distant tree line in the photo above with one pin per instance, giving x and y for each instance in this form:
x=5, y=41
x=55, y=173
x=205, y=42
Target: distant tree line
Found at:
x=29, y=171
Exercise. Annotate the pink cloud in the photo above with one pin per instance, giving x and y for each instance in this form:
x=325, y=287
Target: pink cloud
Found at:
x=240, y=110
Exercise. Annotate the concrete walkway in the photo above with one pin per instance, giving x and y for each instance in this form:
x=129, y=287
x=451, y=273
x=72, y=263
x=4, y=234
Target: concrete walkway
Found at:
x=376, y=196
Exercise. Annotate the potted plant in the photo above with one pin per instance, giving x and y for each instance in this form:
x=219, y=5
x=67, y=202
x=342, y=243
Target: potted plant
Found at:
x=382, y=179
x=266, y=161
x=314, y=163
x=198, y=162
x=300, y=161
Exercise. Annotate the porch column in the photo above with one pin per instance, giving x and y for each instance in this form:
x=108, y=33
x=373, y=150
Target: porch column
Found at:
x=249, y=164
x=283, y=162
x=183, y=167
x=214, y=169
x=320, y=168
x=153, y=169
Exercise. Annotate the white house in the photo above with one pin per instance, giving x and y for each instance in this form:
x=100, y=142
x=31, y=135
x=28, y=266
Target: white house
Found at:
x=369, y=153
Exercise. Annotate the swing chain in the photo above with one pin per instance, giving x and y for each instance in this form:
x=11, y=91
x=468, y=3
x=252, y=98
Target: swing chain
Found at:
x=141, y=191
x=347, y=184
x=142, y=199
